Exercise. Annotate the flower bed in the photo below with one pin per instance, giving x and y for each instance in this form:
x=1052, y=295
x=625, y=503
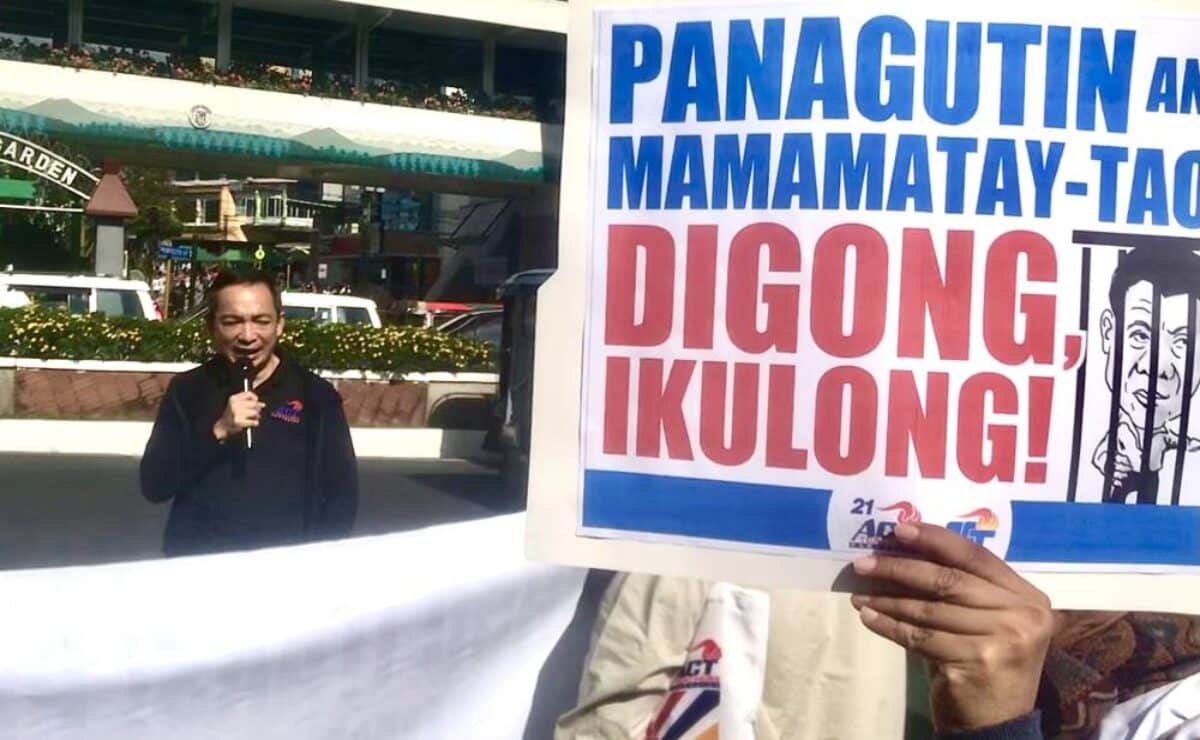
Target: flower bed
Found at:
x=56, y=335
x=266, y=77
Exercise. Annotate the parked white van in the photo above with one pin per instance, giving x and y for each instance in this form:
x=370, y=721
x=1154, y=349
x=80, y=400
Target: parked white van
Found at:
x=83, y=293
x=330, y=308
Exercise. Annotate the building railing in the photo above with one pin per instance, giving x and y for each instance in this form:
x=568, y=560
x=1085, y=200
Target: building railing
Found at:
x=425, y=95
x=291, y=222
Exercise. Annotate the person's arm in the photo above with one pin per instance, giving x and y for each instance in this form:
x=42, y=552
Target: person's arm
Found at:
x=984, y=630
x=1025, y=727
x=337, y=496
x=175, y=456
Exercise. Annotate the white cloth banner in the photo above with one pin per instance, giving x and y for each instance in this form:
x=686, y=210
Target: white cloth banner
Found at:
x=443, y=632
x=1170, y=712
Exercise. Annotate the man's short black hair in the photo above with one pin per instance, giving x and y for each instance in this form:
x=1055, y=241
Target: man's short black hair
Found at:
x=1172, y=271
x=229, y=278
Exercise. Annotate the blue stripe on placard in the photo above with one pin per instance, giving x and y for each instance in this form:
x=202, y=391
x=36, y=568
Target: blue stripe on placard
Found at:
x=715, y=510
x=1057, y=532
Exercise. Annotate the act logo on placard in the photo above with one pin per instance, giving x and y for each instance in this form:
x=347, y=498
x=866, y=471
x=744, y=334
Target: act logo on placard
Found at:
x=977, y=526
x=872, y=533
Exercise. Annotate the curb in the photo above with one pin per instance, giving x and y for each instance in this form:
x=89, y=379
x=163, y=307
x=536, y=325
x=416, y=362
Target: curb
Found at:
x=128, y=438
x=123, y=366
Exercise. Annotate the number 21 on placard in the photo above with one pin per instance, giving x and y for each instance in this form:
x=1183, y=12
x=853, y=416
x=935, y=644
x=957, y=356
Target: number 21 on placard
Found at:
x=863, y=506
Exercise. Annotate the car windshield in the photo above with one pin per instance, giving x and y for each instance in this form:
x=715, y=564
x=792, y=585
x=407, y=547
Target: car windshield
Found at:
x=118, y=303
x=354, y=315
x=489, y=329
x=74, y=300
x=320, y=315
x=486, y=327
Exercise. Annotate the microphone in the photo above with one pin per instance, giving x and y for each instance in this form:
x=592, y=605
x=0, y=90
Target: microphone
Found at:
x=245, y=370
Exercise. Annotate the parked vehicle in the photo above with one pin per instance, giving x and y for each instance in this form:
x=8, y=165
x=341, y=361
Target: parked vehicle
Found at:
x=14, y=299
x=83, y=293
x=485, y=325
x=321, y=308
x=436, y=314
x=331, y=308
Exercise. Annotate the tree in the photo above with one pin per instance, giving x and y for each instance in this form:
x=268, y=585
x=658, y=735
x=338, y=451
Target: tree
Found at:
x=30, y=241
x=157, y=219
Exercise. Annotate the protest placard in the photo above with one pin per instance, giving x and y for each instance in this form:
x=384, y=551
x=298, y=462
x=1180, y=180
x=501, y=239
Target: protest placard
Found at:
x=829, y=268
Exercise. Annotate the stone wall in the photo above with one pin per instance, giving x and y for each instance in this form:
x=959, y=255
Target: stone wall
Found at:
x=41, y=393
x=66, y=394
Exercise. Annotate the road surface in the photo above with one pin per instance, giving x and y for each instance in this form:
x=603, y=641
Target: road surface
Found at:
x=74, y=510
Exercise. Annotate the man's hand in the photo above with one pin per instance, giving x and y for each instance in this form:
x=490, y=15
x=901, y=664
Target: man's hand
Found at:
x=1169, y=436
x=1122, y=465
x=983, y=628
x=242, y=412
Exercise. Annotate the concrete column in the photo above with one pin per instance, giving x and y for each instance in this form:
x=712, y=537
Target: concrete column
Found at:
x=537, y=212
x=110, y=206
x=75, y=23
x=489, y=65
x=110, y=247
x=224, y=34
x=8, y=392
x=362, y=50
x=195, y=29
x=320, y=62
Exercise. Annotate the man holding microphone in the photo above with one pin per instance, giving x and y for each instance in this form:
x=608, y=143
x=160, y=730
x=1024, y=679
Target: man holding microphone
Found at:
x=251, y=449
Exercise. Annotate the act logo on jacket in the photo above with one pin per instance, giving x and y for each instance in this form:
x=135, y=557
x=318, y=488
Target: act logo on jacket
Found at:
x=289, y=412
x=689, y=711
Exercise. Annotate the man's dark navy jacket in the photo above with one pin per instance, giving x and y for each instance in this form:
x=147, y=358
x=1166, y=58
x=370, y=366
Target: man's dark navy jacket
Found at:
x=298, y=483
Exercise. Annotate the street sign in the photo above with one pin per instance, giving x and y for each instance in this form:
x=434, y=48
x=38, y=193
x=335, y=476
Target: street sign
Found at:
x=179, y=252
x=48, y=165
x=17, y=189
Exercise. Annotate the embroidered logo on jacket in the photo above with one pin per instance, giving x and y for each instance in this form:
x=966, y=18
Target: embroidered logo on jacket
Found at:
x=689, y=711
x=289, y=412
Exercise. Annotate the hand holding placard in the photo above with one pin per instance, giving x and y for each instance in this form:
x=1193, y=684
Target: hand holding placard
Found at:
x=983, y=628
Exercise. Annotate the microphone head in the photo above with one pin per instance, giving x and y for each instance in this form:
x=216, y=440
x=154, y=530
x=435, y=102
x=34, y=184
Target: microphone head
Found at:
x=244, y=368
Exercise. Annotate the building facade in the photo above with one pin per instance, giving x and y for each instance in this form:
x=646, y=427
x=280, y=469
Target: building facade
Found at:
x=406, y=149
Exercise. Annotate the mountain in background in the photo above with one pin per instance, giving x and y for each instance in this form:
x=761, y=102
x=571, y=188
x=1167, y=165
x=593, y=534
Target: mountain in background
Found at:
x=68, y=111
x=327, y=138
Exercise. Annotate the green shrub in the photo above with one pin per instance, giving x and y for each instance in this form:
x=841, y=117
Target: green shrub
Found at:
x=56, y=335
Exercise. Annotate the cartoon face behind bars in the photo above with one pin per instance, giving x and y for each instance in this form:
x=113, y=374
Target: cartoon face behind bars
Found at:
x=1149, y=386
